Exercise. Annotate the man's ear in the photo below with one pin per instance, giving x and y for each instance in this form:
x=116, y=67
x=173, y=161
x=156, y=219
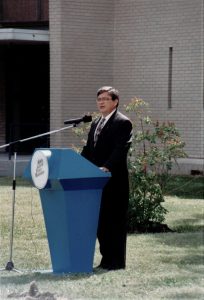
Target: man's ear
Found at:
x=117, y=102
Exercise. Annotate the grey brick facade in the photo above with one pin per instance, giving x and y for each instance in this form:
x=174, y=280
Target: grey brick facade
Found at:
x=81, y=55
x=144, y=32
x=126, y=43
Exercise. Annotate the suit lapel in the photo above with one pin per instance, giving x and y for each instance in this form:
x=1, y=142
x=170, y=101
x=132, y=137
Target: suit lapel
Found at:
x=107, y=125
x=110, y=121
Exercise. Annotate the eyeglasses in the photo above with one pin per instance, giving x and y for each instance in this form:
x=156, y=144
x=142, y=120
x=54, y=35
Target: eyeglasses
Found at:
x=103, y=99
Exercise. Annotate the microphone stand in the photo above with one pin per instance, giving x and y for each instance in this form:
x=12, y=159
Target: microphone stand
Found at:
x=10, y=265
x=37, y=136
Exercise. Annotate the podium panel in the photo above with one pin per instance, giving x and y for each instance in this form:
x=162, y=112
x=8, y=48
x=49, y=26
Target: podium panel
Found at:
x=70, y=199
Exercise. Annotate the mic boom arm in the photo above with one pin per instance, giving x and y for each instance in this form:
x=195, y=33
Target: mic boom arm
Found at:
x=85, y=119
x=72, y=123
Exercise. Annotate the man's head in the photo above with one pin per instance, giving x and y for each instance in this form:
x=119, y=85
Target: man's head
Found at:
x=107, y=99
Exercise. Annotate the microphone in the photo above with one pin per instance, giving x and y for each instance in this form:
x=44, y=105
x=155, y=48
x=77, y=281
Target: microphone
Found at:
x=84, y=119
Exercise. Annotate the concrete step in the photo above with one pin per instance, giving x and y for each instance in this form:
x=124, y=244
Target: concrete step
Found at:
x=7, y=165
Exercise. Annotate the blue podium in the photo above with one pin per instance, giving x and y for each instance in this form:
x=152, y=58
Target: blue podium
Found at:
x=70, y=189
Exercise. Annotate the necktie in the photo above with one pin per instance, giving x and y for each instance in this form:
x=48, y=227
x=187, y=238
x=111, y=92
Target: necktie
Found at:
x=98, y=130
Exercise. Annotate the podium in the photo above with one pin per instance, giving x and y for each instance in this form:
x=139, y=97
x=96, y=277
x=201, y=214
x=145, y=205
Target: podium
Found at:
x=70, y=189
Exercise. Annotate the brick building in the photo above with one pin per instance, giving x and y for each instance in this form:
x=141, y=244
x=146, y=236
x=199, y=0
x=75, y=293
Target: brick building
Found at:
x=149, y=49
x=24, y=71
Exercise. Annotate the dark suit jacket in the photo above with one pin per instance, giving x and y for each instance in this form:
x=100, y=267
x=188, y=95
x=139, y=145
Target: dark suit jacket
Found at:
x=111, y=152
x=112, y=145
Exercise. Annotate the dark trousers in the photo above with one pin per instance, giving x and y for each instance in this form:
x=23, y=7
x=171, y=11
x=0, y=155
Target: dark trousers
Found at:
x=112, y=227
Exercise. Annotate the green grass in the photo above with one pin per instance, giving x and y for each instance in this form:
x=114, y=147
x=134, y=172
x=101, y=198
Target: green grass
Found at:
x=159, y=266
x=186, y=187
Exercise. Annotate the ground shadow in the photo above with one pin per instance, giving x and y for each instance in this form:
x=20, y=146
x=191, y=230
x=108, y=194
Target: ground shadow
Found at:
x=24, y=278
x=191, y=256
x=192, y=224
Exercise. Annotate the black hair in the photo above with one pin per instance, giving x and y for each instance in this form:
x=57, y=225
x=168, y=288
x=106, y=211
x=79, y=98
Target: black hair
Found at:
x=110, y=90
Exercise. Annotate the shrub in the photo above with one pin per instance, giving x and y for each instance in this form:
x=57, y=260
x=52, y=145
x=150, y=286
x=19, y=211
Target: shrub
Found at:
x=154, y=147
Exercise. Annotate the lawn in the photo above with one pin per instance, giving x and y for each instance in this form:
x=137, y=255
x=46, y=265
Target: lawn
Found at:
x=159, y=266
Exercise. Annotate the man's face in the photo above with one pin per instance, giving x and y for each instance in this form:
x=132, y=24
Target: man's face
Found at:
x=105, y=104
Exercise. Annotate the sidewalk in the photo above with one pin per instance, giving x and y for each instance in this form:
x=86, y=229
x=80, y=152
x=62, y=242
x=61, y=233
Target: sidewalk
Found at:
x=6, y=165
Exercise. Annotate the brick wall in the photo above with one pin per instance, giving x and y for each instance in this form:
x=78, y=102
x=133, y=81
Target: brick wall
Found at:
x=144, y=31
x=24, y=10
x=126, y=43
x=81, y=43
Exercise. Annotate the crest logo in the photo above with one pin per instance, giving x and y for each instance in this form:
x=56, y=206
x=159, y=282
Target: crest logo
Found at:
x=40, y=168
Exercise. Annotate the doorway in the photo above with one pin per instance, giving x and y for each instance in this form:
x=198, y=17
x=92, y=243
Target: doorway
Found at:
x=27, y=95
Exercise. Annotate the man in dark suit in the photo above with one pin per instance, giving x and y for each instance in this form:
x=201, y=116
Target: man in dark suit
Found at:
x=107, y=146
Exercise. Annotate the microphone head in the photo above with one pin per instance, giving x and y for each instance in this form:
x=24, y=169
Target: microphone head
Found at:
x=87, y=119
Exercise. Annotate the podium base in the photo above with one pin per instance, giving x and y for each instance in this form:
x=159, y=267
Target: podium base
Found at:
x=51, y=272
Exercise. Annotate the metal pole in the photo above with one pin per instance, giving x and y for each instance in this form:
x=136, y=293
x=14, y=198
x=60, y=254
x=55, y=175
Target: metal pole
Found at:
x=10, y=264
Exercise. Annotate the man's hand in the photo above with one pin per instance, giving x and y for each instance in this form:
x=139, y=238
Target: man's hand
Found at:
x=104, y=169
